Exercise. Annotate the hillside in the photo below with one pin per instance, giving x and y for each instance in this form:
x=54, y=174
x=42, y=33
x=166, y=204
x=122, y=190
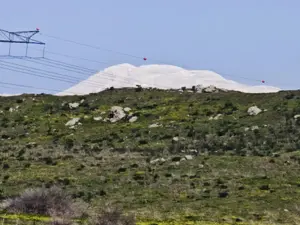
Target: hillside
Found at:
x=162, y=154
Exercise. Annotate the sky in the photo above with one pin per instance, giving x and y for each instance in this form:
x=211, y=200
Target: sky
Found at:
x=255, y=39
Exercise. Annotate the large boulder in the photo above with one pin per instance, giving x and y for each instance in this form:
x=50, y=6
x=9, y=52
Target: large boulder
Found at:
x=254, y=110
x=116, y=113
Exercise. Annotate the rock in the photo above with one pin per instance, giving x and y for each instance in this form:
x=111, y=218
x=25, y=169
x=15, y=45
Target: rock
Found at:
x=98, y=118
x=31, y=145
x=188, y=157
x=177, y=163
x=254, y=128
x=72, y=122
x=133, y=119
x=201, y=166
x=297, y=116
x=82, y=101
x=175, y=138
x=208, y=89
x=254, y=110
x=116, y=113
x=159, y=160
x=216, y=117
x=247, y=128
x=127, y=109
x=155, y=125
x=73, y=105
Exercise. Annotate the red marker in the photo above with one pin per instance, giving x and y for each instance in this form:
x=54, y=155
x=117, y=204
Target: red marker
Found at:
x=263, y=81
x=145, y=59
x=37, y=29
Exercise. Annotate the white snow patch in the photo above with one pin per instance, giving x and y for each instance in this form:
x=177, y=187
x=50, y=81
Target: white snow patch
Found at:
x=159, y=76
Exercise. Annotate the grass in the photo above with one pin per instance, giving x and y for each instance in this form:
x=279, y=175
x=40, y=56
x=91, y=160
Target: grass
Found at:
x=235, y=175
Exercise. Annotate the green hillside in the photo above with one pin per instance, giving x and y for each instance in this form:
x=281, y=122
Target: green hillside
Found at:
x=173, y=155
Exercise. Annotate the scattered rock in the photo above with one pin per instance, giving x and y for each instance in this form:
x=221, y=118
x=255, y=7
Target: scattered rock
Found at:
x=254, y=110
x=175, y=138
x=254, y=128
x=155, y=125
x=159, y=160
x=98, y=118
x=73, y=105
x=201, y=166
x=216, y=117
x=31, y=145
x=208, y=89
x=297, y=116
x=188, y=157
x=116, y=113
x=127, y=109
x=133, y=119
x=71, y=123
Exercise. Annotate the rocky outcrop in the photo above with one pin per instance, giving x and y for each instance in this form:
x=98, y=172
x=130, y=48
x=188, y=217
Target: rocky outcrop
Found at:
x=254, y=110
x=116, y=113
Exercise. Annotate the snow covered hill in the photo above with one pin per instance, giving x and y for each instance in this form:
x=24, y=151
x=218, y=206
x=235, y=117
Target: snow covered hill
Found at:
x=160, y=76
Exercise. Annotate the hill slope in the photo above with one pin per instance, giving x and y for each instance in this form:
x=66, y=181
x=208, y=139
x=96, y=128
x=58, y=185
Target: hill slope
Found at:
x=162, y=154
x=159, y=76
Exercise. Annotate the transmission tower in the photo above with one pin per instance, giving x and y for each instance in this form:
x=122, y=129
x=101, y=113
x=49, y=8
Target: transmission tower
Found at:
x=20, y=37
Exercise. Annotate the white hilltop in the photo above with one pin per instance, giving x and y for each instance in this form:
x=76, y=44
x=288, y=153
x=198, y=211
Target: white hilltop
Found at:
x=159, y=76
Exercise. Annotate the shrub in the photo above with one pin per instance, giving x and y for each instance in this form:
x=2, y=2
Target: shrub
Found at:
x=113, y=216
x=41, y=201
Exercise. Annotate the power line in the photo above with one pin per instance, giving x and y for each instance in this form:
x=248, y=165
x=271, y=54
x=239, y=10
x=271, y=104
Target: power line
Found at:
x=122, y=53
x=28, y=86
x=92, y=46
x=15, y=69
x=56, y=75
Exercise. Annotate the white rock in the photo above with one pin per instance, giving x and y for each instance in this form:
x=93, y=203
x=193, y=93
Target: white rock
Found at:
x=118, y=113
x=72, y=122
x=247, y=128
x=254, y=128
x=133, y=119
x=175, y=138
x=297, y=116
x=127, y=109
x=254, y=110
x=216, y=117
x=73, y=105
x=97, y=118
x=82, y=101
x=162, y=160
x=155, y=125
x=189, y=157
x=177, y=163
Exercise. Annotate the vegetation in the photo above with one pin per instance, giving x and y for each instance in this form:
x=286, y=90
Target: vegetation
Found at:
x=188, y=157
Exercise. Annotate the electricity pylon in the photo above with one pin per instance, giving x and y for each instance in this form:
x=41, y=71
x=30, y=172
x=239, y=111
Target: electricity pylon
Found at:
x=20, y=37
